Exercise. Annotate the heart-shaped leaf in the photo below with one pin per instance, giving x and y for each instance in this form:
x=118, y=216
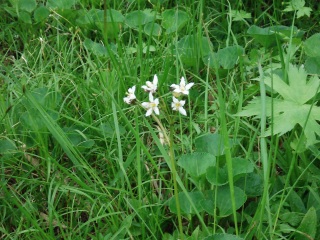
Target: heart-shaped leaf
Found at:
x=185, y=206
x=223, y=200
x=312, y=45
x=197, y=163
x=173, y=20
x=211, y=143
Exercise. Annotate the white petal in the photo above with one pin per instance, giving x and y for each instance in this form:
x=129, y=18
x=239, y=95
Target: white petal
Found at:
x=126, y=100
x=175, y=100
x=182, y=111
x=155, y=80
x=174, y=86
x=132, y=90
x=156, y=110
x=145, y=105
x=183, y=102
x=173, y=106
x=189, y=85
x=148, y=113
x=182, y=82
x=156, y=101
x=150, y=97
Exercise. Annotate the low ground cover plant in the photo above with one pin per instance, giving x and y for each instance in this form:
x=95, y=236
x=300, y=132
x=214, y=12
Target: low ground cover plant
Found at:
x=159, y=119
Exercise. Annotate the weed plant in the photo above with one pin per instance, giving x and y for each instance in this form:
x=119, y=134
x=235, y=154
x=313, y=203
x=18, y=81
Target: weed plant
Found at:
x=159, y=119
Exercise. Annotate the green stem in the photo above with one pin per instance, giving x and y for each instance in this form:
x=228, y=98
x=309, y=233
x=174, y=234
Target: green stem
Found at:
x=264, y=154
x=226, y=145
x=173, y=170
x=175, y=185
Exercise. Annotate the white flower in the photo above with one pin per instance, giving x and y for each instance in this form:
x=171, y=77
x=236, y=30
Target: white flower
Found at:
x=151, y=86
x=130, y=95
x=182, y=88
x=178, y=106
x=151, y=106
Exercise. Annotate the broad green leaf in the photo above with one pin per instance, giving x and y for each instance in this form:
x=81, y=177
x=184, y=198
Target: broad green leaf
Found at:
x=173, y=20
x=223, y=236
x=197, y=234
x=226, y=57
x=268, y=36
x=31, y=120
x=185, y=205
x=211, y=143
x=308, y=226
x=219, y=176
x=314, y=195
x=312, y=65
x=252, y=184
x=137, y=18
x=88, y=19
x=197, y=163
x=152, y=29
x=25, y=17
x=223, y=200
x=292, y=218
x=47, y=98
x=7, y=146
x=78, y=138
x=88, y=143
x=293, y=108
x=241, y=166
x=96, y=48
x=114, y=21
x=96, y=17
x=61, y=4
x=41, y=14
x=107, y=129
x=191, y=48
x=224, y=203
x=27, y=5
x=296, y=203
x=150, y=48
x=312, y=45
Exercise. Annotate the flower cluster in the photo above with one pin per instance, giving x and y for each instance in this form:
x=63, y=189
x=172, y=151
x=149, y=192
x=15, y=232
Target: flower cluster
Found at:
x=152, y=105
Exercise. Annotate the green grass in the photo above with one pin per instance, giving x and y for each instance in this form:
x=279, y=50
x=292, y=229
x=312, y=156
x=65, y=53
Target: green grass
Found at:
x=77, y=162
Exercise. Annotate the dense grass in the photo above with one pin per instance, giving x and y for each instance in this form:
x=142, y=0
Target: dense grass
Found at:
x=77, y=162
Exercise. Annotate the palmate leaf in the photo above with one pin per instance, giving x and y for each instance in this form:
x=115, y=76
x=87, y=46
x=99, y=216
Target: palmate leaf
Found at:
x=292, y=108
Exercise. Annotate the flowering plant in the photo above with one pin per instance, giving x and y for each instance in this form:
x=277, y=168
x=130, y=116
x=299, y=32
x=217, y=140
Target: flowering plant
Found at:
x=153, y=105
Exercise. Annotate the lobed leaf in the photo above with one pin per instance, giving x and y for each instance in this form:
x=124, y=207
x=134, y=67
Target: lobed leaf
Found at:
x=292, y=109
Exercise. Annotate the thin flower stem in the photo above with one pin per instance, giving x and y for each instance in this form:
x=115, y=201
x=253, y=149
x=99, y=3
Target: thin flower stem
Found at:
x=175, y=185
x=173, y=170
